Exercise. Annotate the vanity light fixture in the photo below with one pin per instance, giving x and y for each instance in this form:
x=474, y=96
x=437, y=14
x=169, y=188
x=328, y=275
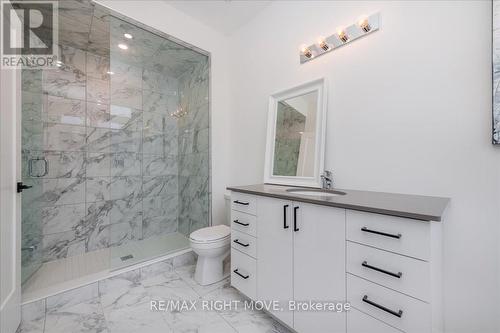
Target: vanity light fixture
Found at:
x=364, y=26
x=123, y=46
x=128, y=36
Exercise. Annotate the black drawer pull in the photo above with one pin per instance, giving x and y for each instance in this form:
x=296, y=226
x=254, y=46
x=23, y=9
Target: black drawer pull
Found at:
x=295, y=209
x=396, y=275
x=237, y=242
x=241, y=203
x=285, y=226
x=383, y=308
x=243, y=276
x=365, y=229
x=243, y=224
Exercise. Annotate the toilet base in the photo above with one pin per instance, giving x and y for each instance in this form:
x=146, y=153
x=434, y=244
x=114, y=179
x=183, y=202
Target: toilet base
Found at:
x=210, y=270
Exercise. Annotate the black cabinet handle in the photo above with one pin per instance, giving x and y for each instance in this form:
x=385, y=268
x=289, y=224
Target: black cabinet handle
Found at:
x=396, y=275
x=243, y=276
x=365, y=229
x=238, y=242
x=21, y=187
x=285, y=226
x=295, y=209
x=243, y=224
x=383, y=308
x=241, y=203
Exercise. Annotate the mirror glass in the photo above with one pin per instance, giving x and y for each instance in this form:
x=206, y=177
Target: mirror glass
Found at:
x=295, y=136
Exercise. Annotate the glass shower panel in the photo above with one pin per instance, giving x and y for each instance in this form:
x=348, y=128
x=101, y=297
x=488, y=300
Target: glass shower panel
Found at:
x=194, y=144
x=33, y=168
x=115, y=142
x=157, y=172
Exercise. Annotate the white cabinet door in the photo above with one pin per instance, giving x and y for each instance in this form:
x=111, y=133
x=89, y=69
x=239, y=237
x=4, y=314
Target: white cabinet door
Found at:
x=359, y=322
x=274, y=250
x=319, y=266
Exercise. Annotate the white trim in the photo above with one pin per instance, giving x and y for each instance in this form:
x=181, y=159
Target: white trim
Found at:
x=318, y=86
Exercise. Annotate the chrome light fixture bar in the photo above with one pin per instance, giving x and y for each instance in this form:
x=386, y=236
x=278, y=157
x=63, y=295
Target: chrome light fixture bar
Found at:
x=364, y=26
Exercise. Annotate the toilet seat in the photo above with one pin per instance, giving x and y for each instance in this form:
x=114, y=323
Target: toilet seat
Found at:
x=214, y=234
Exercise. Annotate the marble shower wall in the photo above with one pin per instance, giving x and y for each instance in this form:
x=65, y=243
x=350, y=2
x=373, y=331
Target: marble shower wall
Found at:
x=111, y=150
x=290, y=123
x=194, y=162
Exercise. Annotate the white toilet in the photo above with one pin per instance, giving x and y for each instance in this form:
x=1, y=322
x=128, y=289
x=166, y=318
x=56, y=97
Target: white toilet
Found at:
x=212, y=245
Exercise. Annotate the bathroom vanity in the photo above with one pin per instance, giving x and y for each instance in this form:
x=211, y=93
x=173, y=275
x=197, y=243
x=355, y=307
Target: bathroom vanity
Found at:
x=379, y=252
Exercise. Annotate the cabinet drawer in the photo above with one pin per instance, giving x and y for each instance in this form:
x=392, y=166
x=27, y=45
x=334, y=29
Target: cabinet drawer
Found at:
x=244, y=222
x=245, y=243
x=359, y=322
x=395, y=234
x=243, y=273
x=244, y=203
x=404, y=274
x=403, y=312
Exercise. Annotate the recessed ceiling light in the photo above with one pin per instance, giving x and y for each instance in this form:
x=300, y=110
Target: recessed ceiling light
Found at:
x=123, y=46
x=110, y=72
x=128, y=36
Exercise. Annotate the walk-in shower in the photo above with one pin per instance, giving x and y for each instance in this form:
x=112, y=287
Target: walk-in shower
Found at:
x=115, y=142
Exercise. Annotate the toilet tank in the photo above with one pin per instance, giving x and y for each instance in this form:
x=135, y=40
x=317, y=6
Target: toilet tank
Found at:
x=227, y=202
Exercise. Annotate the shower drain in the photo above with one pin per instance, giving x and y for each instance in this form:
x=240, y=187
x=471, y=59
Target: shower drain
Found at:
x=127, y=257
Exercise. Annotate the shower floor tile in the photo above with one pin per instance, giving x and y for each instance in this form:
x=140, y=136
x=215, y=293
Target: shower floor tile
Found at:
x=68, y=273
x=106, y=313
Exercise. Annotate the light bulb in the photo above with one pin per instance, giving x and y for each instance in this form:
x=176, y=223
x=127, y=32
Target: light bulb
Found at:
x=364, y=24
x=123, y=46
x=323, y=44
x=342, y=35
x=128, y=36
x=306, y=52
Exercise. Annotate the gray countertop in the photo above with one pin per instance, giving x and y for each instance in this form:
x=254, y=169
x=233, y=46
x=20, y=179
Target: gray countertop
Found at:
x=404, y=205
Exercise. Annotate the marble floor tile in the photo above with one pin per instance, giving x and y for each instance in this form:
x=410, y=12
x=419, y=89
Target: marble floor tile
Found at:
x=187, y=274
x=244, y=320
x=197, y=321
x=72, y=297
x=32, y=317
x=83, y=317
x=137, y=318
x=124, y=305
x=168, y=286
x=122, y=291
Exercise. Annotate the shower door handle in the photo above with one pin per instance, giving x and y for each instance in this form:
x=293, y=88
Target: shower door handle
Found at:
x=21, y=187
x=45, y=169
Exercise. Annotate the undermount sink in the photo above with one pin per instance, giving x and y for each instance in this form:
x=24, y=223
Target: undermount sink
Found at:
x=315, y=192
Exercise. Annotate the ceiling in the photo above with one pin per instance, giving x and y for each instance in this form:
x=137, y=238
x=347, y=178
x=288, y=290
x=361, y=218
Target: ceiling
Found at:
x=224, y=16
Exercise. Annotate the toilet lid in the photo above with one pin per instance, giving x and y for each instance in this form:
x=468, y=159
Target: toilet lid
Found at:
x=210, y=234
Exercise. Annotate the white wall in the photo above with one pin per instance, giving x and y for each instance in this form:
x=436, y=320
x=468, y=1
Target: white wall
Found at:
x=409, y=111
x=166, y=18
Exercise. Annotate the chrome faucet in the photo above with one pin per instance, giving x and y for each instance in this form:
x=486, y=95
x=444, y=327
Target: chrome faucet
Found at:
x=327, y=179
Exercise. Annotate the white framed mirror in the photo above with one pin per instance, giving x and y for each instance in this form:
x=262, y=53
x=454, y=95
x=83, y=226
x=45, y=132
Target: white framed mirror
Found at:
x=295, y=147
